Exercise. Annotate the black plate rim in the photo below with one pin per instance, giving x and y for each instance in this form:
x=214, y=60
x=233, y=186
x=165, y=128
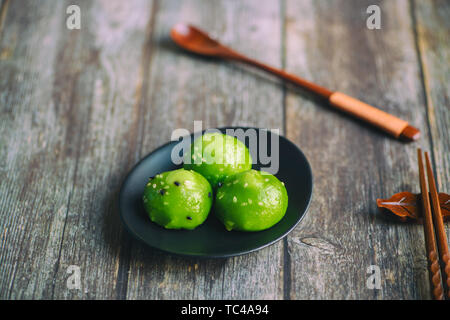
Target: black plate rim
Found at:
x=216, y=256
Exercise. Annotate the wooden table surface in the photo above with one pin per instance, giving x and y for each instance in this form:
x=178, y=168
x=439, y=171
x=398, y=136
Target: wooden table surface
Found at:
x=79, y=108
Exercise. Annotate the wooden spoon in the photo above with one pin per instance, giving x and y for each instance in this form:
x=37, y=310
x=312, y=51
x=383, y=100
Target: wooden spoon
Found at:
x=198, y=41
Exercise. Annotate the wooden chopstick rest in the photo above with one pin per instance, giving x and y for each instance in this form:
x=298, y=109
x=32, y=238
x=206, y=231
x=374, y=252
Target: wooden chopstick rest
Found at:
x=406, y=206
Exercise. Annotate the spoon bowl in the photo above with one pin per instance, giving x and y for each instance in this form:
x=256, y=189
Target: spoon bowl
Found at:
x=195, y=40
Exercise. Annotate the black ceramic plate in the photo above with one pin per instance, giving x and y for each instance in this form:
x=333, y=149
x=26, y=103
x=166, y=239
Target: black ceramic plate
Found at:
x=211, y=239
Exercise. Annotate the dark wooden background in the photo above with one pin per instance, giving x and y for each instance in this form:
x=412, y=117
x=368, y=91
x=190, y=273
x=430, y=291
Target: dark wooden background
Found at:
x=78, y=108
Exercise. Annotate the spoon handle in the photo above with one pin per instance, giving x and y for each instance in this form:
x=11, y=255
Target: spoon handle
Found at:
x=321, y=91
x=378, y=118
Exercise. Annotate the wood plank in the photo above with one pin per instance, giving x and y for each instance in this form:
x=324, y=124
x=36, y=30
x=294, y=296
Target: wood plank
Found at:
x=343, y=234
x=32, y=146
x=109, y=105
x=433, y=43
x=184, y=88
x=69, y=105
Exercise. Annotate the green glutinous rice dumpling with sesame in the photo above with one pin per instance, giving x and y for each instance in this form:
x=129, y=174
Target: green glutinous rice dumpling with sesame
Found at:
x=251, y=201
x=217, y=156
x=178, y=199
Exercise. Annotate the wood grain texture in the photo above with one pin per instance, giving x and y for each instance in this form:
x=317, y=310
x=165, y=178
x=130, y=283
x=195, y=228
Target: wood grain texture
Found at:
x=70, y=121
x=432, y=39
x=108, y=90
x=184, y=88
x=33, y=142
x=338, y=240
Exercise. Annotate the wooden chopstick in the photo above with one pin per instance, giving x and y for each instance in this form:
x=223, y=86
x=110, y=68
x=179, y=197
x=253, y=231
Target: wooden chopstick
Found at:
x=439, y=225
x=430, y=241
